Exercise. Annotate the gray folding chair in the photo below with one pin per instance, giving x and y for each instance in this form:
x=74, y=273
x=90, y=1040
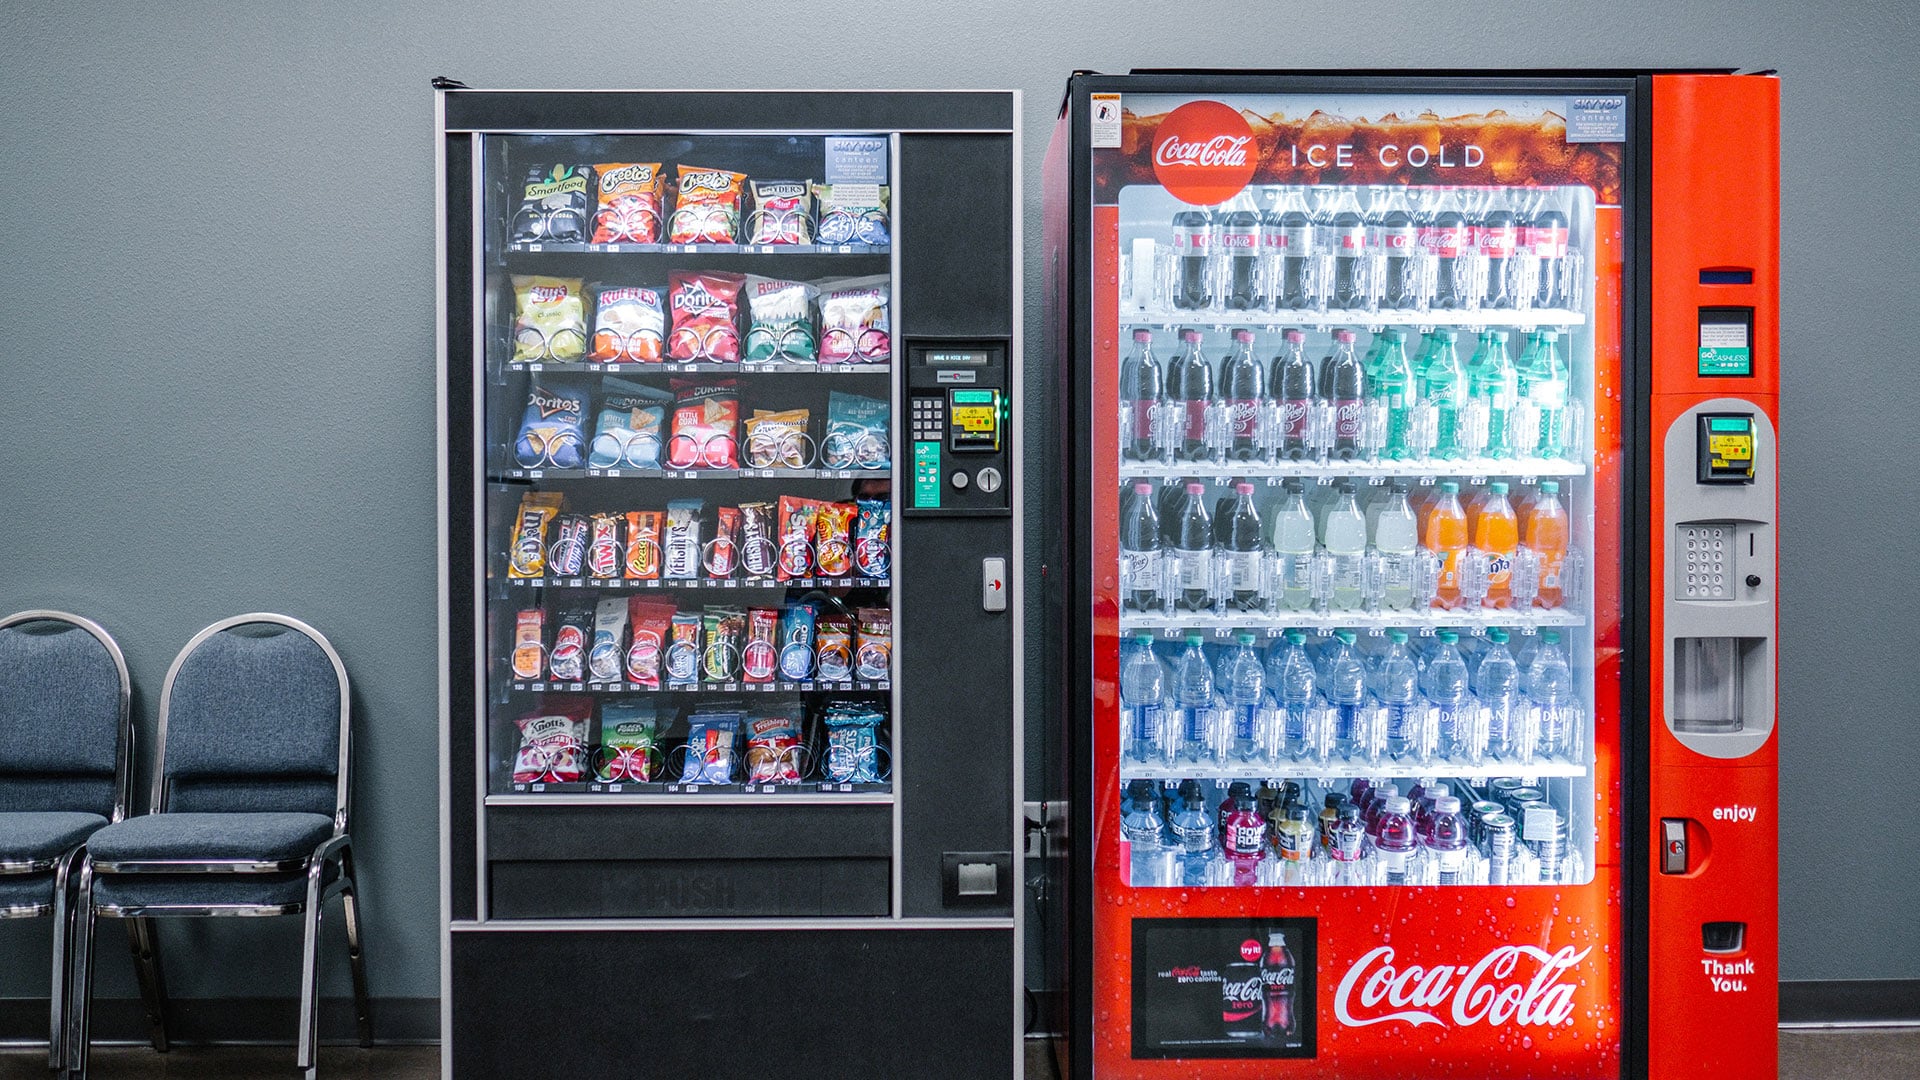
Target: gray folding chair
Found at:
x=249, y=811
x=66, y=746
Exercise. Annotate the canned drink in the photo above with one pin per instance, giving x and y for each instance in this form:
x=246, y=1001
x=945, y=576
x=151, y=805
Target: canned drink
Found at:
x=1521, y=795
x=1545, y=831
x=1476, y=821
x=1499, y=831
x=1501, y=787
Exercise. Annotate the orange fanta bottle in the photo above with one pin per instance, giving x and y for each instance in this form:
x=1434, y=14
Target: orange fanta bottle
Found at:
x=1445, y=535
x=1497, y=535
x=1547, y=537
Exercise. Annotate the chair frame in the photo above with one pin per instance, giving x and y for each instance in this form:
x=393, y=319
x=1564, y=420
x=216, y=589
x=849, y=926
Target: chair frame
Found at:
x=337, y=848
x=65, y=866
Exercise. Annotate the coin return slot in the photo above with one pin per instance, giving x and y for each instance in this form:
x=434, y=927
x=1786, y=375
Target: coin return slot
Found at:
x=1723, y=937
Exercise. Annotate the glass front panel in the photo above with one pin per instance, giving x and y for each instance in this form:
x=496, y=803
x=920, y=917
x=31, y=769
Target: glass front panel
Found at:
x=1356, y=408
x=689, y=455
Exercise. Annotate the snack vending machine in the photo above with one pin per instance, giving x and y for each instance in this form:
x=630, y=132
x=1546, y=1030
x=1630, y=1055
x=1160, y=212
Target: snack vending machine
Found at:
x=731, y=760
x=1420, y=572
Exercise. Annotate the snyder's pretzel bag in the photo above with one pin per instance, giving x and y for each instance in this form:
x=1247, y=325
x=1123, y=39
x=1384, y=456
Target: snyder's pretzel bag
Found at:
x=708, y=207
x=630, y=200
x=782, y=212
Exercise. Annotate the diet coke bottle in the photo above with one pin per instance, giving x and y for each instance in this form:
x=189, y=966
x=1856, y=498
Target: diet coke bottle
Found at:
x=1240, y=242
x=1192, y=251
x=1445, y=235
x=1280, y=1015
x=1290, y=236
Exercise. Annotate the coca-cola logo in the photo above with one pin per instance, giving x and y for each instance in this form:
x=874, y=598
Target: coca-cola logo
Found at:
x=1495, y=990
x=1203, y=152
x=1250, y=950
x=1240, y=998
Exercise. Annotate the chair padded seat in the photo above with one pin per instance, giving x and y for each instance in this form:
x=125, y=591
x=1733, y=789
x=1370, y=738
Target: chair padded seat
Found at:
x=30, y=836
x=147, y=892
x=270, y=837
x=18, y=891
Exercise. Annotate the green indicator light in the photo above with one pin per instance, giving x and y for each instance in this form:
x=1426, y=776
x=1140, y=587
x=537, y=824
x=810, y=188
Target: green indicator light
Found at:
x=1729, y=423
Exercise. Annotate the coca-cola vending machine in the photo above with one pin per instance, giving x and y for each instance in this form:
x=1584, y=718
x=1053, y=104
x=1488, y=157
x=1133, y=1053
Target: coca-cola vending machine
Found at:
x=1418, y=605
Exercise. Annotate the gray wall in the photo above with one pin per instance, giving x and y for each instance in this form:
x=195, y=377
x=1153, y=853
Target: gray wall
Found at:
x=216, y=325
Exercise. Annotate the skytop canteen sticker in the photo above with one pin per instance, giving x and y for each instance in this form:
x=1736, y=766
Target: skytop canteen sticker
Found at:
x=1203, y=153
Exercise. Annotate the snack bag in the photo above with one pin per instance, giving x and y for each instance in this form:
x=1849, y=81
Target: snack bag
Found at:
x=706, y=424
x=630, y=203
x=760, y=658
x=549, y=319
x=873, y=648
x=774, y=754
x=628, y=729
x=782, y=212
x=629, y=325
x=683, y=539
x=552, y=430
x=796, y=641
x=854, y=326
x=643, y=545
x=567, y=555
x=795, y=537
x=779, y=440
x=833, y=648
x=708, y=210
x=833, y=540
x=553, y=741
x=722, y=632
x=873, y=539
x=856, y=433
x=721, y=555
x=527, y=558
x=852, y=213
x=604, y=549
x=710, y=748
x=759, y=553
x=554, y=203
x=706, y=316
x=652, y=619
x=567, y=662
x=529, y=643
x=780, y=322
x=683, y=650
x=609, y=640
x=632, y=426
x=853, y=744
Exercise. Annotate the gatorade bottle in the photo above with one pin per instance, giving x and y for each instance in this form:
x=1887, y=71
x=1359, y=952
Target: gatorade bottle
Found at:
x=1237, y=537
x=1395, y=535
x=1443, y=382
x=1446, y=537
x=1292, y=537
x=1496, y=535
x=1390, y=380
x=1546, y=537
x=1192, y=570
x=1345, y=538
x=1493, y=382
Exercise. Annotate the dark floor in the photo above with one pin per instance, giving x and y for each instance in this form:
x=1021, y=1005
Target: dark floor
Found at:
x=1827, y=1054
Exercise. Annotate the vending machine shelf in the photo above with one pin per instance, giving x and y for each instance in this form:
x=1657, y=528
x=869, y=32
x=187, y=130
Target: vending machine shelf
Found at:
x=694, y=474
x=1425, y=470
x=871, y=685
x=671, y=367
x=531, y=248
x=821, y=793
x=1478, y=318
x=1345, y=768
x=1272, y=624
x=725, y=584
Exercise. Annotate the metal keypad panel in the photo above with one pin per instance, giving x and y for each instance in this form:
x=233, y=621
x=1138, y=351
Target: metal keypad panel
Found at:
x=1706, y=558
x=929, y=419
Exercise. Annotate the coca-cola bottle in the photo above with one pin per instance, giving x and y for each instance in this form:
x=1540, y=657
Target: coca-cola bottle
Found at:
x=1236, y=532
x=1280, y=1012
x=1399, y=242
x=1140, y=390
x=1545, y=234
x=1341, y=382
x=1192, y=252
x=1292, y=240
x=1240, y=244
x=1140, y=551
x=1497, y=235
x=1243, y=382
x=1291, y=376
x=1190, y=386
x=1343, y=231
x=1445, y=236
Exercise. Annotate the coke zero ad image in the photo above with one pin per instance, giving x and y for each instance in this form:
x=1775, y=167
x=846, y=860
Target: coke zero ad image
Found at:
x=1223, y=988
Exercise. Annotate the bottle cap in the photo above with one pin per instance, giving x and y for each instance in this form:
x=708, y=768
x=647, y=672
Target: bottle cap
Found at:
x=1550, y=335
x=1551, y=637
x=1243, y=488
x=1243, y=335
x=1334, y=799
x=1244, y=637
x=1295, y=335
x=1143, y=638
x=1549, y=487
x=1449, y=636
x=1397, y=805
x=1386, y=791
x=1446, y=804
x=1194, y=639
x=1398, y=637
x=1196, y=488
x=1140, y=789
x=1239, y=789
x=1190, y=335
x=1143, y=334
x=1497, y=335
x=1498, y=487
x=1296, y=636
x=1345, y=337
x=1298, y=813
x=1348, y=813
x=1142, y=488
x=1450, y=487
x=1394, y=333
x=1345, y=637
x=1347, y=488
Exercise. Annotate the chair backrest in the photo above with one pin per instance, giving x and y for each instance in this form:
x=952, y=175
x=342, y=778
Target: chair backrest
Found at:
x=66, y=741
x=253, y=717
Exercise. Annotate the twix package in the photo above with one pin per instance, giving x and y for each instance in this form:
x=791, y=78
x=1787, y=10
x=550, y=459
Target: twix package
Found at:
x=527, y=558
x=643, y=545
x=604, y=548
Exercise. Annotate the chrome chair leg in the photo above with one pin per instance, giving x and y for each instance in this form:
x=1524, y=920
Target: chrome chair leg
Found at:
x=363, y=1019
x=62, y=950
x=153, y=983
x=80, y=1004
x=310, y=976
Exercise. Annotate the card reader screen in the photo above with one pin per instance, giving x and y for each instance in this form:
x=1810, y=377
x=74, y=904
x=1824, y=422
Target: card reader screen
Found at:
x=973, y=420
x=1726, y=449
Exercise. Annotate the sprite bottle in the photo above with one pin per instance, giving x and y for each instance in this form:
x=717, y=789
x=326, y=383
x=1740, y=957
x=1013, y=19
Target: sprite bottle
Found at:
x=1390, y=380
x=1493, y=382
x=1443, y=382
x=1543, y=381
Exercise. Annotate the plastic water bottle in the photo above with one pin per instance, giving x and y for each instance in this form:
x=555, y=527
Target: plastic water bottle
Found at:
x=1290, y=676
x=1292, y=539
x=1140, y=566
x=1192, y=568
x=1143, y=703
x=1193, y=682
x=1346, y=691
x=1243, y=681
x=1553, y=704
x=1395, y=536
x=1194, y=833
x=1345, y=537
x=1496, y=686
x=1446, y=688
x=1397, y=684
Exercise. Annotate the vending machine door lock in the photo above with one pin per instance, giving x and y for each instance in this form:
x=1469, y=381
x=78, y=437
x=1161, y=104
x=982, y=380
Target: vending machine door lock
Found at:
x=1673, y=846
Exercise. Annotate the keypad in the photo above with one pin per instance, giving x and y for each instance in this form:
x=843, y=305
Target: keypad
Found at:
x=1705, y=562
x=929, y=419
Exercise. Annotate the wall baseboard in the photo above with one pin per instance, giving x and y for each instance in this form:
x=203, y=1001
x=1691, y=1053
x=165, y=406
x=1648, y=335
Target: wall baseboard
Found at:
x=1850, y=1001
x=191, y=1021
